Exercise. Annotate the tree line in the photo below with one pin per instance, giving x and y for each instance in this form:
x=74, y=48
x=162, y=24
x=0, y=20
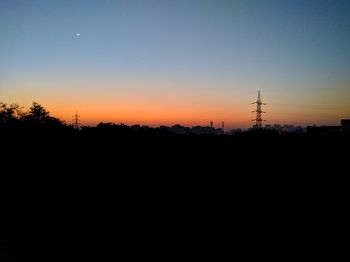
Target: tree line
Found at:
x=13, y=116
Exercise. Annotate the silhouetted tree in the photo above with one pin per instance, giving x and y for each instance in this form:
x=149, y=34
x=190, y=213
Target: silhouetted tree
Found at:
x=111, y=128
x=38, y=116
x=9, y=115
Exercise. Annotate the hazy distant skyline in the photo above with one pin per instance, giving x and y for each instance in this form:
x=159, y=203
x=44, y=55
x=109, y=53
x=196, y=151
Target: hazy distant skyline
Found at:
x=184, y=62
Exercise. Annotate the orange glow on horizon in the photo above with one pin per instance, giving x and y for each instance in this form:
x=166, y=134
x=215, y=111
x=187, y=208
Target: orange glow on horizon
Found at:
x=159, y=104
x=152, y=116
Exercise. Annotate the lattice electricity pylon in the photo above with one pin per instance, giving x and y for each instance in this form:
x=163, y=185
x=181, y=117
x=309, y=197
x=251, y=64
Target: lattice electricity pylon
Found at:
x=76, y=119
x=258, y=120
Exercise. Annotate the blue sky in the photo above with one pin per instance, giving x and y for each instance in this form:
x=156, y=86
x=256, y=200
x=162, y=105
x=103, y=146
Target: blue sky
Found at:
x=207, y=58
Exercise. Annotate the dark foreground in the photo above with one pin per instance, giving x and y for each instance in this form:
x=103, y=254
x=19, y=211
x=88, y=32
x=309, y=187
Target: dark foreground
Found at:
x=73, y=196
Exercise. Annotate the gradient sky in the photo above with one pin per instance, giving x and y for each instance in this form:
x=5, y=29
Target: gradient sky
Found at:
x=178, y=61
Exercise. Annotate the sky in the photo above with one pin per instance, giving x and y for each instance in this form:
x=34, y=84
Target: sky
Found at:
x=165, y=62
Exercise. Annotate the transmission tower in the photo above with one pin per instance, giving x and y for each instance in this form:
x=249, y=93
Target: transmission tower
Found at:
x=76, y=119
x=258, y=120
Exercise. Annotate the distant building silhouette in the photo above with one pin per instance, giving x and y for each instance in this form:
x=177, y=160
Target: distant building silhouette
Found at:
x=324, y=130
x=345, y=123
x=197, y=130
x=179, y=129
x=203, y=130
x=343, y=128
x=284, y=129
